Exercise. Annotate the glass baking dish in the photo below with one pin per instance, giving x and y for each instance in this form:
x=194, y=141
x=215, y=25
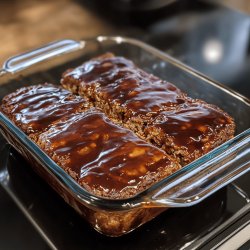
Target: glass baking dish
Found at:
x=187, y=187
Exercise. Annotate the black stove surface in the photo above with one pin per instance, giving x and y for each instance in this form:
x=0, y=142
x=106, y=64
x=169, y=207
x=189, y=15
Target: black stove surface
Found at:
x=182, y=228
x=214, y=41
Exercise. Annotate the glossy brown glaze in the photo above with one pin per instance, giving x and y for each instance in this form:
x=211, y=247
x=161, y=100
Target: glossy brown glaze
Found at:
x=118, y=80
x=192, y=126
x=106, y=159
x=35, y=108
x=154, y=109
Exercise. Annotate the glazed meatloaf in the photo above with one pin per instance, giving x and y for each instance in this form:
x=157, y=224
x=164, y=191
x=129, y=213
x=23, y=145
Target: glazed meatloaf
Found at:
x=35, y=108
x=156, y=110
x=140, y=130
x=106, y=159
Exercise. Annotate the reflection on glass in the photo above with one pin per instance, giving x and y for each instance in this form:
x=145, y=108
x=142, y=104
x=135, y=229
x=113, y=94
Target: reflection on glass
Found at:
x=213, y=51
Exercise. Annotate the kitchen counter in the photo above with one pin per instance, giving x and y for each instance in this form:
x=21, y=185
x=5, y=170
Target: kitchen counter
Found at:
x=29, y=24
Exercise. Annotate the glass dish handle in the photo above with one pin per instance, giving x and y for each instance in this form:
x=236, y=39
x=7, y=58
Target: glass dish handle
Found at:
x=206, y=175
x=22, y=61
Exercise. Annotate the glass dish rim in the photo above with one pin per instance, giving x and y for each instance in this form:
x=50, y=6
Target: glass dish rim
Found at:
x=141, y=198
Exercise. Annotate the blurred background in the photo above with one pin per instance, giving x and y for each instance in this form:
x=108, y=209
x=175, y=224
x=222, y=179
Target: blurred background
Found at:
x=210, y=36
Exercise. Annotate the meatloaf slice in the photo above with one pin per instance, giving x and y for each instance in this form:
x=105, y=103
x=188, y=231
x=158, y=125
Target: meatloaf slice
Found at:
x=35, y=108
x=154, y=109
x=108, y=160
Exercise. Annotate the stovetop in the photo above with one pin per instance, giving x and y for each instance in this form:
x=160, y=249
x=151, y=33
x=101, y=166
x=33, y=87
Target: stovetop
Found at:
x=214, y=41
x=211, y=39
x=183, y=228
